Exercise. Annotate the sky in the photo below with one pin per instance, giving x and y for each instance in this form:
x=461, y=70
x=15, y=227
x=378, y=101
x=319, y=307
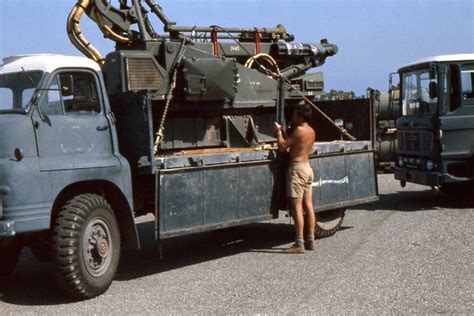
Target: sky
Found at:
x=375, y=38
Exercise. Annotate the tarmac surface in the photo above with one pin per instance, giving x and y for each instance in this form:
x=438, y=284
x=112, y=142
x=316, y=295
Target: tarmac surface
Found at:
x=411, y=252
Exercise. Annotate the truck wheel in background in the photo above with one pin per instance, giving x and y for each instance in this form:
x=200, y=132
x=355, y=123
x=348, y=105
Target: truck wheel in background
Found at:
x=10, y=250
x=329, y=222
x=85, y=246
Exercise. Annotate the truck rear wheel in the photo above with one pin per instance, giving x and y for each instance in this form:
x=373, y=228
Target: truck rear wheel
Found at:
x=85, y=246
x=329, y=222
x=10, y=250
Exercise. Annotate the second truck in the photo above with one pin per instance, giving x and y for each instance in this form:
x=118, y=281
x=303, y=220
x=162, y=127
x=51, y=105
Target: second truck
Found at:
x=435, y=131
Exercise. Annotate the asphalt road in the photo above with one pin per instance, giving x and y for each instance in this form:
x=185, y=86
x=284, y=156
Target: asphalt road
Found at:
x=412, y=252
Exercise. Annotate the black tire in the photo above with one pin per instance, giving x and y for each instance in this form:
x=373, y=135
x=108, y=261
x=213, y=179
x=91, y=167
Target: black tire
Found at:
x=10, y=250
x=85, y=246
x=329, y=222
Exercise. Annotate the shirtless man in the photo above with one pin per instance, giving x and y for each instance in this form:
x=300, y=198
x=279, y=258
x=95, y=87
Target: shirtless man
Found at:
x=300, y=177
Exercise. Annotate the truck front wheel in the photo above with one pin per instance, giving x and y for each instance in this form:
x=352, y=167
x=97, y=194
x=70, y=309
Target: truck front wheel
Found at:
x=10, y=250
x=85, y=246
x=329, y=222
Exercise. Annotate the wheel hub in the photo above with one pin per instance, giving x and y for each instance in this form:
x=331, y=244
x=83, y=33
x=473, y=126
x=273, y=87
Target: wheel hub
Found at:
x=102, y=247
x=97, y=247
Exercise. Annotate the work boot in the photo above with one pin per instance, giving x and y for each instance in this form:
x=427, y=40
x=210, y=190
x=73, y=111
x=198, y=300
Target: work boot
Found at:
x=310, y=245
x=295, y=249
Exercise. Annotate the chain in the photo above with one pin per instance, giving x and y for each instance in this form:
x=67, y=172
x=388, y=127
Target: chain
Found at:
x=169, y=96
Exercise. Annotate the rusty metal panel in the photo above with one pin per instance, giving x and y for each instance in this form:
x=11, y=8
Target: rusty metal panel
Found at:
x=203, y=198
x=332, y=180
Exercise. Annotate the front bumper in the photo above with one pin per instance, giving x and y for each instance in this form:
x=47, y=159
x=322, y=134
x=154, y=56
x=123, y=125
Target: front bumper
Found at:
x=418, y=177
x=7, y=229
x=24, y=219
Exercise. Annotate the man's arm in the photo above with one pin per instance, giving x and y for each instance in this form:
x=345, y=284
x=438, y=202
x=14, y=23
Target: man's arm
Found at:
x=284, y=142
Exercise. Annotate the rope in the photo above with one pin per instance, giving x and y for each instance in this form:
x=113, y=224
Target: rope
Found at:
x=343, y=131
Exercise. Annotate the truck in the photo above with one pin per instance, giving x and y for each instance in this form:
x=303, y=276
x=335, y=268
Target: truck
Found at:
x=344, y=107
x=178, y=125
x=434, y=146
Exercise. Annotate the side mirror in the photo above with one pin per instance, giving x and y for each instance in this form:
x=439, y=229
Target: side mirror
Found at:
x=390, y=81
x=433, y=72
x=433, y=90
x=67, y=86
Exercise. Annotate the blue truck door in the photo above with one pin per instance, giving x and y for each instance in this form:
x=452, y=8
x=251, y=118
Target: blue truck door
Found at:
x=72, y=128
x=458, y=123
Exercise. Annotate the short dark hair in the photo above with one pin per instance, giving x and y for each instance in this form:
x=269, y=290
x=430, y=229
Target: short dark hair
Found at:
x=305, y=111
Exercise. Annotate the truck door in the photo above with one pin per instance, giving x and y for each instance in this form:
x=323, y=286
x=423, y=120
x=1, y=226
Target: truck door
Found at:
x=72, y=129
x=458, y=123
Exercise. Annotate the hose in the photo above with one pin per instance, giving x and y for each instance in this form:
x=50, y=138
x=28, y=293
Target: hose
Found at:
x=70, y=33
x=266, y=57
x=75, y=34
x=79, y=41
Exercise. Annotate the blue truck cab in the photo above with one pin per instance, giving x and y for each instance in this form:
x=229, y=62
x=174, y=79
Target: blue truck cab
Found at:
x=57, y=144
x=435, y=143
x=54, y=142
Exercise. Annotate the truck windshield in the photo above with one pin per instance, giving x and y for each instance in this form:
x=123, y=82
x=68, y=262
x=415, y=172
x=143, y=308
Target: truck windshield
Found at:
x=415, y=95
x=17, y=89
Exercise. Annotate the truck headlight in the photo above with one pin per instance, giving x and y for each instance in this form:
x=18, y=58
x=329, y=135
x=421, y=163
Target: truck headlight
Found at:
x=429, y=165
x=400, y=161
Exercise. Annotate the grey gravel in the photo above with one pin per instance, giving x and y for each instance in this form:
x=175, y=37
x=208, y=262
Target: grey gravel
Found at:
x=411, y=252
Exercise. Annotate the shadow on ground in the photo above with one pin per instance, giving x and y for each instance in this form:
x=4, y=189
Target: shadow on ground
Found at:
x=414, y=201
x=33, y=283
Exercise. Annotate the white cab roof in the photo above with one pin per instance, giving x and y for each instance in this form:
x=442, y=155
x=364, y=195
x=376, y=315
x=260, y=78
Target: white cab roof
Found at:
x=46, y=63
x=443, y=58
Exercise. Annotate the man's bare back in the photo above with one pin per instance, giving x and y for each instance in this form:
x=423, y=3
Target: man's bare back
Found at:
x=304, y=138
x=300, y=142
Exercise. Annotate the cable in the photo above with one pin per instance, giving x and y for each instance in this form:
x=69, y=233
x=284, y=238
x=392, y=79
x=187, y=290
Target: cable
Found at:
x=269, y=59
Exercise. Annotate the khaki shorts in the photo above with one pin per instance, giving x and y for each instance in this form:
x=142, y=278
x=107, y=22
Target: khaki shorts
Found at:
x=299, y=179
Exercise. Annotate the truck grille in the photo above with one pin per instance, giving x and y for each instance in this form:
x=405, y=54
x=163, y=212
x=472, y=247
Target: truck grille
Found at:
x=143, y=74
x=415, y=141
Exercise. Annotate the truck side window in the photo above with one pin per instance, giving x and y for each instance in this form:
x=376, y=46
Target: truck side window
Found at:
x=52, y=104
x=6, y=99
x=454, y=87
x=26, y=96
x=467, y=83
x=84, y=100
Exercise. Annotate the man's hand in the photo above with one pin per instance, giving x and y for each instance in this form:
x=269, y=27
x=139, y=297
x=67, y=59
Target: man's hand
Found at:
x=278, y=128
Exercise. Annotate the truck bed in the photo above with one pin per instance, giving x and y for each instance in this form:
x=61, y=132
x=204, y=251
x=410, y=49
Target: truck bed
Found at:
x=202, y=190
